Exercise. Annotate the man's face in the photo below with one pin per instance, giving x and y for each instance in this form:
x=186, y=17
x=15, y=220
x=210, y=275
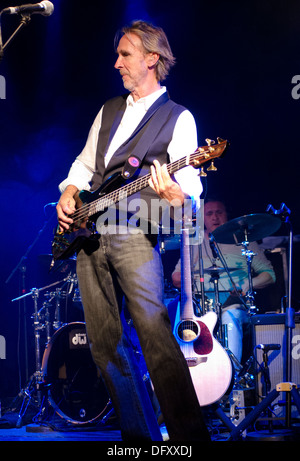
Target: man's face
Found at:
x=214, y=215
x=132, y=62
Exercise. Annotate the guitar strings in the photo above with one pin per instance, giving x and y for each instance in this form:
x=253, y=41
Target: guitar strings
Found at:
x=100, y=204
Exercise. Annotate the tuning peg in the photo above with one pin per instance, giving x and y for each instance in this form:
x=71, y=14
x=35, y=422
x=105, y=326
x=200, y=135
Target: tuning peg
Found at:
x=209, y=141
x=220, y=140
x=202, y=172
x=212, y=167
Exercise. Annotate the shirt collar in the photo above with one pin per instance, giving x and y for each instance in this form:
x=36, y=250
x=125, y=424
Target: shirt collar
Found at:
x=147, y=101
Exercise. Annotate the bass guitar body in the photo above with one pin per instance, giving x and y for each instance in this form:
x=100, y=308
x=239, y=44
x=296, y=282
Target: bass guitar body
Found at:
x=66, y=244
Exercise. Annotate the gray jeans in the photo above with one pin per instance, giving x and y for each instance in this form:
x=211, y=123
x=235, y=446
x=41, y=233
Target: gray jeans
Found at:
x=130, y=265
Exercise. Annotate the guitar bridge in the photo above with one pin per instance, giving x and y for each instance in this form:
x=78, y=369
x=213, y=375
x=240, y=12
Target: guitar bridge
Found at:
x=194, y=361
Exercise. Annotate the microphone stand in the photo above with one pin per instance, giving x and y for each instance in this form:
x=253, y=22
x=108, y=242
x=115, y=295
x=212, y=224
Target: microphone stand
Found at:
x=25, y=19
x=1, y=42
x=284, y=213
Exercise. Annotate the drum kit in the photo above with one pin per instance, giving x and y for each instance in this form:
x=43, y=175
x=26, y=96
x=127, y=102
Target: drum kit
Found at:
x=65, y=379
x=240, y=231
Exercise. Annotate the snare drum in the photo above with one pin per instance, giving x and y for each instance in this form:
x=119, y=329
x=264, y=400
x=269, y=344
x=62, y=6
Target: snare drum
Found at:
x=76, y=390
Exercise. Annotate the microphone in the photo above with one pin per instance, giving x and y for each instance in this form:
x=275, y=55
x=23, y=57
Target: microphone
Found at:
x=213, y=247
x=269, y=347
x=45, y=8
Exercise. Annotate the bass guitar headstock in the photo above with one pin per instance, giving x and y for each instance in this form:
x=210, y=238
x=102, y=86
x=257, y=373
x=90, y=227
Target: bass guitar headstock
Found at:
x=207, y=153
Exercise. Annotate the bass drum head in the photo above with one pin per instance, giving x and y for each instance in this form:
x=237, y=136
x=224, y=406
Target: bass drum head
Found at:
x=76, y=390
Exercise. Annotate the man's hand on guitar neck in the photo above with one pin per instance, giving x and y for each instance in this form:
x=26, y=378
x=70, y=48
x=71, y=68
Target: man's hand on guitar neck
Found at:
x=164, y=185
x=65, y=207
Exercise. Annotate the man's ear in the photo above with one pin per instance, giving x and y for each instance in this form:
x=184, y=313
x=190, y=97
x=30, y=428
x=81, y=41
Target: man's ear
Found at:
x=152, y=59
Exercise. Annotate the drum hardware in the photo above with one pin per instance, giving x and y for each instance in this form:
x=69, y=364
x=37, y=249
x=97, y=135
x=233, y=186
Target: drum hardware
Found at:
x=34, y=390
x=64, y=266
x=57, y=294
x=75, y=388
x=34, y=387
x=77, y=296
x=291, y=390
x=250, y=293
x=221, y=330
x=258, y=226
x=221, y=335
x=43, y=317
x=241, y=231
x=66, y=379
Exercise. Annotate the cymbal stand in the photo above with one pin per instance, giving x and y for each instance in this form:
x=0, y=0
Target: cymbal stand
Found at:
x=249, y=257
x=57, y=317
x=215, y=281
x=35, y=387
x=36, y=382
x=47, y=323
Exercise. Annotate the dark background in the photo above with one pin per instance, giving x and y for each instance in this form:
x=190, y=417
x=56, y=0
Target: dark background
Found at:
x=235, y=64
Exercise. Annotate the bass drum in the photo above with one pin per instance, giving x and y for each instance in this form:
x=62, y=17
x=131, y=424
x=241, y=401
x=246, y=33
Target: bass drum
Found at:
x=76, y=390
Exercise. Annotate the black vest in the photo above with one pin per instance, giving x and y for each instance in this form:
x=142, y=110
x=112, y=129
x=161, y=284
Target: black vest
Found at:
x=149, y=141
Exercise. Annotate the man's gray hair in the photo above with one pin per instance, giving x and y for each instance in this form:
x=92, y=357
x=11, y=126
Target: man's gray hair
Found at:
x=154, y=40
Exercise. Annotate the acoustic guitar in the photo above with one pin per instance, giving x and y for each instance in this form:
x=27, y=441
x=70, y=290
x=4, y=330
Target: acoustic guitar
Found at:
x=208, y=362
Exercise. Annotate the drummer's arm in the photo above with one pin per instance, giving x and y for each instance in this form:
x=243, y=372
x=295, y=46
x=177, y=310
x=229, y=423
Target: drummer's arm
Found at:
x=176, y=279
x=262, y=280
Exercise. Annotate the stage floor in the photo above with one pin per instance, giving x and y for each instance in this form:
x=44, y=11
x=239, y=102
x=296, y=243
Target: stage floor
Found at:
x=33, y=433
x=111, y=438
x=57, y=429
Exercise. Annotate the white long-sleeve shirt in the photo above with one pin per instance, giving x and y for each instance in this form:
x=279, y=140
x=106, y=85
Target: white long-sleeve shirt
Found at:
x=183, y=143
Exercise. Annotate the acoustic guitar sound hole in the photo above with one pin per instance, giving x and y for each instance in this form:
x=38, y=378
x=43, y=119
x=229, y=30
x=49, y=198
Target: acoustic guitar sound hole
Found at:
x=188, y=330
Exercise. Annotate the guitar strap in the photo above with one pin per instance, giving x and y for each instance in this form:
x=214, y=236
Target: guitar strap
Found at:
x=161, y=107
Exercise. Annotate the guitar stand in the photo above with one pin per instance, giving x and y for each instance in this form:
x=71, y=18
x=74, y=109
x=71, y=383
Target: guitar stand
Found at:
x=291, y=391
x=288, y=387
x=236, y=432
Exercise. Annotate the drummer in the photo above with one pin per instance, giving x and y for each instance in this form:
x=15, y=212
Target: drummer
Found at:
x=234, y=312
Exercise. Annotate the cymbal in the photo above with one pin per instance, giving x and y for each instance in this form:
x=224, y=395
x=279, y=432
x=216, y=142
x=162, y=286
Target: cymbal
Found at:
x=248, y=227
x=216, y=269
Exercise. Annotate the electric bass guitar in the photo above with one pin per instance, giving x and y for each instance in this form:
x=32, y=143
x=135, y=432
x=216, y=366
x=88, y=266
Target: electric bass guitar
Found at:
x=90, y=205
x=208, y=362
